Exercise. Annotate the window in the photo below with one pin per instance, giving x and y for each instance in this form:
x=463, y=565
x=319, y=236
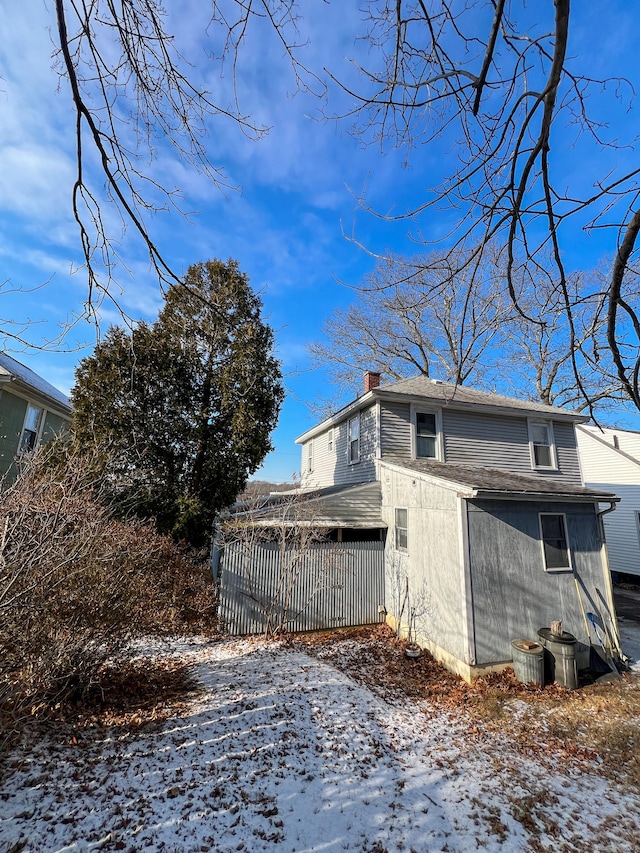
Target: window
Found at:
x=354, y=439
x=426, y=435
x=401, y=530
x=310, y=456
x=29, y=437
x=555, y=545
x=330, y=441
x=541, y=442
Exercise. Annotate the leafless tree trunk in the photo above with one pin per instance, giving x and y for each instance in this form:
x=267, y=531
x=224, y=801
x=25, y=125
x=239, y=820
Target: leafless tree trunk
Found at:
x=133, y=93
x=499, y=79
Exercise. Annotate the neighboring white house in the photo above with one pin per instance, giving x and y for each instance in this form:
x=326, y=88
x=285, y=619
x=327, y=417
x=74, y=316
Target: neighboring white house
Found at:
x=610, y=460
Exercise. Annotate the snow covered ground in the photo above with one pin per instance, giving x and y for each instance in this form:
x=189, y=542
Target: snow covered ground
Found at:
x=279, y=751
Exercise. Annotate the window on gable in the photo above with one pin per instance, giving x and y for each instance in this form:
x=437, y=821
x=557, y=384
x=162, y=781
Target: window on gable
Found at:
x=310, y=456
x=426, y=435
x=330, y=444
x=541, y=441
x=555, y=544
x=401, y=530
x=354, y=439
x=29, y=437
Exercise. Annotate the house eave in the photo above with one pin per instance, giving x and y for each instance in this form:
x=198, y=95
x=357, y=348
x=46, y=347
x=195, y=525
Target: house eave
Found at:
x=562, y=497
x=339, y=416
x=552, y=413
x=22, y=389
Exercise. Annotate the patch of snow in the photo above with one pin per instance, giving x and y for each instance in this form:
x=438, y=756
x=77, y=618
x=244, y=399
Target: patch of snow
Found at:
x=281, y=752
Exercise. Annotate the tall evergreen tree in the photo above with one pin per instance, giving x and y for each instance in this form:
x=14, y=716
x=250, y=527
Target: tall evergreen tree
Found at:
x=186, y=405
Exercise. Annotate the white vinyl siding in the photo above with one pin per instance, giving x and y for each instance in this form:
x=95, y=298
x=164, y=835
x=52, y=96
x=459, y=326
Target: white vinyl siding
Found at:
x=608, y=470
x=331, y=467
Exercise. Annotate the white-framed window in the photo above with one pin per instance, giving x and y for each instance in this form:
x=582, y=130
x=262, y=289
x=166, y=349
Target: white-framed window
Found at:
x=426, y=433
x=353, y=439
x=401, y=529
x=330, y=441
x=31, y=429
x=556, y=551
x=542, y=445
x=310, y=456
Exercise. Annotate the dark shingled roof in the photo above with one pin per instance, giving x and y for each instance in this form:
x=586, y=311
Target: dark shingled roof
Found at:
x=10, y=367
x=443, y=392
x=493, y=481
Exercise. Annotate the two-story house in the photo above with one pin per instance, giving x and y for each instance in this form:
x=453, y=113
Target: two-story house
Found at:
x=491, y=533
x=31, y=412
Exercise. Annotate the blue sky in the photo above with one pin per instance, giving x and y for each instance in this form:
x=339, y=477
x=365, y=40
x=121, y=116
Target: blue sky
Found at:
x=288, y=224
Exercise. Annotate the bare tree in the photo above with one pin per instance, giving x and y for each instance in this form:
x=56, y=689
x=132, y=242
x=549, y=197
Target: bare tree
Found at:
x=539, y=356
x=500, y=81
x=437, y=315
x=133, y=92
x=433, y=315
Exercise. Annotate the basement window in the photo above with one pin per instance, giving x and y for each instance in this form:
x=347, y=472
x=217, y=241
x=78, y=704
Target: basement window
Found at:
x=401, y=530
x=555, y=543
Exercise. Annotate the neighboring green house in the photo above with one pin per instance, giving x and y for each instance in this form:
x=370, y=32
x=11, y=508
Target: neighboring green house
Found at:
x=31, y=412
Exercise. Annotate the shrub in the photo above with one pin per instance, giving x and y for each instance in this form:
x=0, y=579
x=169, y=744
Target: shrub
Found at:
x=77, y=584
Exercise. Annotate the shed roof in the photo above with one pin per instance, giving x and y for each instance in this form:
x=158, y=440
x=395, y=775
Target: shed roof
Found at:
x=476, y=481
x=351, y=506
x=13, y=371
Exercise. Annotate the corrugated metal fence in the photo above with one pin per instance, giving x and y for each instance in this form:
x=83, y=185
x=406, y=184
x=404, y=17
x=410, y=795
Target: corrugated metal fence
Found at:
x=331, y=584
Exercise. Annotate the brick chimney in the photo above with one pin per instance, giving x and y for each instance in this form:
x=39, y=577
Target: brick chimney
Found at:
x=371, y=381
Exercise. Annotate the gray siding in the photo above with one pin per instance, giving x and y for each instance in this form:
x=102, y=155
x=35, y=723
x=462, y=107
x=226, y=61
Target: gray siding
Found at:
x=513, y=596
x=471, y=438
x=395, y=430
x=333, y=585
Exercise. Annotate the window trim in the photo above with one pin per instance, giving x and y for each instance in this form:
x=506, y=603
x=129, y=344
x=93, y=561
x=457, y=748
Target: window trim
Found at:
x=399, y=527
x=416, y=410
x=38, y=431
x=556, y=569
x=531, y=422
x=355, y=458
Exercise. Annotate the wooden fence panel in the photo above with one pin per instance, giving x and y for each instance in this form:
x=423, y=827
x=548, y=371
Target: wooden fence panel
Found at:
x=332, y=584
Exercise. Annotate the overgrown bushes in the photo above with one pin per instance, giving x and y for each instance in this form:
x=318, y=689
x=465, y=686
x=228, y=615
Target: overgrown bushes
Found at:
x=77, y=584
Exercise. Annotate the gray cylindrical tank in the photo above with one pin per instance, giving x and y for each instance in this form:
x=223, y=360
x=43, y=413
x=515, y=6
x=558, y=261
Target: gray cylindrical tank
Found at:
x=559, y=657
x=528, y=662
